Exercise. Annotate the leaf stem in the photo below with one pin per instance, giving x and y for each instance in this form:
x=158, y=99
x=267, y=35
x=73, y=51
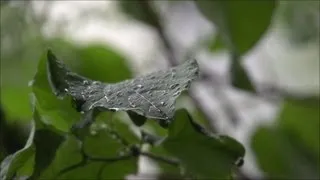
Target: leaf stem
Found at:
x=161, y=158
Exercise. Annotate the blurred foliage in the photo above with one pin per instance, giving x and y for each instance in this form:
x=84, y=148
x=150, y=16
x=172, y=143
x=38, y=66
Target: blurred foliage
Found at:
x=240, y=25
x=112, y=146
x=291, y=149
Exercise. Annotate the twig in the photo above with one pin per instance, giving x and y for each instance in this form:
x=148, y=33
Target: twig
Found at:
x=160, y=158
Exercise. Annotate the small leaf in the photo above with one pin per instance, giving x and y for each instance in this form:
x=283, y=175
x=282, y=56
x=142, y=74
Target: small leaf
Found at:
x=137, y=119
x=152, y=96
x=217, y=155
x=137, y=10
x=240, y=78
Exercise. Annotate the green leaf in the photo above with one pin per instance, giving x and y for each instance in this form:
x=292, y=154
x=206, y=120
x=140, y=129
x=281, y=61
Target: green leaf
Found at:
x=301, y=119
x=152, y=96
x=98, y=145
x=281, y=157
x=242, y=23
x=217, y=155
x=15, y=162
x=138, y=10
x=36, y=155
x=56, y=112
x=240, y=78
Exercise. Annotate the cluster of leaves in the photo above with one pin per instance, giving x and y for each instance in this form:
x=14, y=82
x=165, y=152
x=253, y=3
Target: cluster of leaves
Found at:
x=109, y=148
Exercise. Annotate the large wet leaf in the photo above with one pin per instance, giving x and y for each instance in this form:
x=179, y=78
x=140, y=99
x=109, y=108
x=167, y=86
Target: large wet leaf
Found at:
x=187, y=141
x=152, y=96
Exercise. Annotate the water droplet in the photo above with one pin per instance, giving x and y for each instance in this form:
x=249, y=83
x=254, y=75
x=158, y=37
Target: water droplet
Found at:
x=121, y=153
x=30, y=83
x=66, y=90
x=85, y=82
x=139, y=86
x=174, y=86
x=113, y=136
x=162, y=103
x=176, y=93
x=93, y=133
x=103, y=126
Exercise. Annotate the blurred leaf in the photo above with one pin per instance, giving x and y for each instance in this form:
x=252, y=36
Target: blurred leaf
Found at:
x=217, y=155
x=139, y=10
x=152, y=96
x=242, y=23
x=56, y=112
x=240, y=77
x=35, y=156
x=217, y=44
x=14, y=162
x=281, y=158
x=102, y=64
x=93, y=61
x=301, y=18
x=301, y=119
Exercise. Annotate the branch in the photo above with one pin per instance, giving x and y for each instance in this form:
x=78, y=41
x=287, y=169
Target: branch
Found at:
x=160, y=158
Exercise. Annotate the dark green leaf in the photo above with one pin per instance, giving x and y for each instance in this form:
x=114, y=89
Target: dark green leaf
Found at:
x=152, y=96
x=14, y=162
x=137, y=119
x=36, y=155
x=217, y=155
x=137, y=10
x=242, y=23
x=57, y=112
x=240, y=77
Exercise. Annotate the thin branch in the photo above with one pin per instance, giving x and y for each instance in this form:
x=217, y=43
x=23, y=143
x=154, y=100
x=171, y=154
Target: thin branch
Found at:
x=160, y=158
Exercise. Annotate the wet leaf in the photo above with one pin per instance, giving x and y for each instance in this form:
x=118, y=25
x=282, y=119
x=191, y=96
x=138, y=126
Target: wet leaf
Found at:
x=219, y=154
x=152, y=96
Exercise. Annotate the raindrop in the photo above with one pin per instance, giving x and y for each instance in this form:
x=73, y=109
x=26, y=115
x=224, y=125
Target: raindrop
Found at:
x=103, y=126
x=66, y=90
x=113, y=136
x=174, y=86
x=139, y=86
x=85, y=82
x=121, y=153
x=30, y=83
x=93, y=133
x=162, y=103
